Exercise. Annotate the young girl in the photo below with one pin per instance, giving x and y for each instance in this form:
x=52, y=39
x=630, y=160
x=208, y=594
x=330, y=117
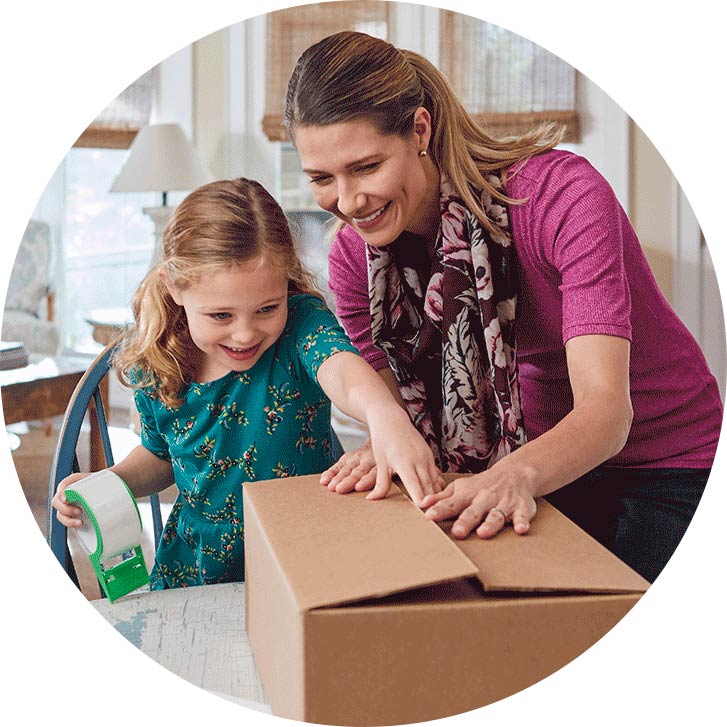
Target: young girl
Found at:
x=232, y=359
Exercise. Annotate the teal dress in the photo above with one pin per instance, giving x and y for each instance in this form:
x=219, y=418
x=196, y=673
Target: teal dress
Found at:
x=270, y=421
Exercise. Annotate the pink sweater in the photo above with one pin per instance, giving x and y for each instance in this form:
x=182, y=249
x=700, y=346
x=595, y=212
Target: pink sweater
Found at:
x=582, y=271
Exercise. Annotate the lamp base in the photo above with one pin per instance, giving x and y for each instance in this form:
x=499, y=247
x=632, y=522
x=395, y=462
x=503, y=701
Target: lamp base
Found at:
x=160, y=216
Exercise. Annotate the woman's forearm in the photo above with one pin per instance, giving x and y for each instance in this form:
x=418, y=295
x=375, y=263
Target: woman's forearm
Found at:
x=144, y=472
x=593, y=432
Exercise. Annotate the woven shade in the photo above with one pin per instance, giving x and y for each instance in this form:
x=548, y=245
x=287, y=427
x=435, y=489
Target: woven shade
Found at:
x=506, y=82
x=291, y=31
x=117, y=125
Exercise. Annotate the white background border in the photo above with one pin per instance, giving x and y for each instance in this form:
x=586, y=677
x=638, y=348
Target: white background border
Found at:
x=662, y=62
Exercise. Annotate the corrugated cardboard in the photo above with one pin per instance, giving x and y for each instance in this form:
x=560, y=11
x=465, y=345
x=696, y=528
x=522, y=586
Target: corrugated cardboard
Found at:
x=365, y=613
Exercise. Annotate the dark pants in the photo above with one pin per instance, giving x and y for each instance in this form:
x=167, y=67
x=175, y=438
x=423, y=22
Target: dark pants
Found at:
x=640, y=515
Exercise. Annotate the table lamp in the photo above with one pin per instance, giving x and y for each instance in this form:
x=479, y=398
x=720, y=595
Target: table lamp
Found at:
x=161, y=159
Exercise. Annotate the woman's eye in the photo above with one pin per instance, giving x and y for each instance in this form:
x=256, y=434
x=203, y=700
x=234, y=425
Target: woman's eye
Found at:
x=319, y=180
x=368, y=167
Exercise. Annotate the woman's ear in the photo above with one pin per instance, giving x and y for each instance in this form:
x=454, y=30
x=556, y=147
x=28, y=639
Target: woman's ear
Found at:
x=164, y=278
x=422, y=128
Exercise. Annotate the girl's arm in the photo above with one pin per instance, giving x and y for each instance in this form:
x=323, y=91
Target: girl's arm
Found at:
x=143, y=472
x=595, y=430
x=357, y=390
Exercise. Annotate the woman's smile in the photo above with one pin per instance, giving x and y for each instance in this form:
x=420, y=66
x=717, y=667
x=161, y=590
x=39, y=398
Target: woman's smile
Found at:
x=372, y=220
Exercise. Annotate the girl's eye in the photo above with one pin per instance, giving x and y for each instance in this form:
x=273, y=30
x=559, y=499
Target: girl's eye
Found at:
x=268, y=308
x=219, y=316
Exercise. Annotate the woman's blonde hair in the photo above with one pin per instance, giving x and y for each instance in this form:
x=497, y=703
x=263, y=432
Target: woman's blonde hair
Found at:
x=216, y=227
x=350, y=76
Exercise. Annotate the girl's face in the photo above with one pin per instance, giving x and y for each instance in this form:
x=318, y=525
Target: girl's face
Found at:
x=235, y=315
x=376, y=183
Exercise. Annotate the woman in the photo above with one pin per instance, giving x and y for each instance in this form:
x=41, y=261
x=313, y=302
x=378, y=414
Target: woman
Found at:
x=452, y=247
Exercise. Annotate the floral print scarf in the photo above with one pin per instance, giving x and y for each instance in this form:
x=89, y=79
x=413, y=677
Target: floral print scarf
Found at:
x=447, y=327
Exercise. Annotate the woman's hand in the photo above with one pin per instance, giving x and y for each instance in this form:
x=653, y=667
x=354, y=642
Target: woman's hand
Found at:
x=68, y=515
x=485, y=502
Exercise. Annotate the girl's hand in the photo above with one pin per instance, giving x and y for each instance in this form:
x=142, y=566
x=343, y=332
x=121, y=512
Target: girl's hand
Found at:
x=398, y=448
x=68, y=515
x=485, y=502
x=354, y=471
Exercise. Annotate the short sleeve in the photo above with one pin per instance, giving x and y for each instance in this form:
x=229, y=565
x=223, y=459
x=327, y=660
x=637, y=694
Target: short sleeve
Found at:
x=314, y=334
x=151, y=437
x=584, y=225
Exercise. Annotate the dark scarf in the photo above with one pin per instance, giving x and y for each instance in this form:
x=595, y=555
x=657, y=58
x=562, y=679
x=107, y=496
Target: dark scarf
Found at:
x=447, y=326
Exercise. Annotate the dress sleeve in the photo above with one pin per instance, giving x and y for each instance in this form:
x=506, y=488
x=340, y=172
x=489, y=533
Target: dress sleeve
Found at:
x=582, y=228
x=151, y=438
x=348, y=280
x=315, y=334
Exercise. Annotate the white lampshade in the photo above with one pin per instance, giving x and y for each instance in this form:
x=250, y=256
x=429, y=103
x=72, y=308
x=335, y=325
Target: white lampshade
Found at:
x=161, y=159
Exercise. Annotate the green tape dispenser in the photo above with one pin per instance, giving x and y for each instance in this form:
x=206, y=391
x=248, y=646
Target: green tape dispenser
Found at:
x=111, y=528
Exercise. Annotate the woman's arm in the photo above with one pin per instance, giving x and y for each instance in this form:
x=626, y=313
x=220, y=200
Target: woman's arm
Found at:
x=595, y=430
x=356, y=389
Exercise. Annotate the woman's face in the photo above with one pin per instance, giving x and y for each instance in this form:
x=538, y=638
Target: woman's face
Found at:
x=376, y=183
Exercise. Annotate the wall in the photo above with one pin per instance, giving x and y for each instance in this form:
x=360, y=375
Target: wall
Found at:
x=652, y=189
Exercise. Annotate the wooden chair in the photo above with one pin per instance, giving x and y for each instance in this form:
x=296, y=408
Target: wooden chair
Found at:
x=87, y=397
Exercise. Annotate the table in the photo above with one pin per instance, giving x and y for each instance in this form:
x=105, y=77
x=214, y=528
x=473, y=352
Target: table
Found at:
x=197, y=633
x=42, y=390
x=109, y=323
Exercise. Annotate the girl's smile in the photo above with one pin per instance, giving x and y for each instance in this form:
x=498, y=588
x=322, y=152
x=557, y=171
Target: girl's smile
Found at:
x=234, y=315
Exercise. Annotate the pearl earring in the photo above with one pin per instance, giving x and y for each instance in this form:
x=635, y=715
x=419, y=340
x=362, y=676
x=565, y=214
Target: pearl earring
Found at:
x=423, y=153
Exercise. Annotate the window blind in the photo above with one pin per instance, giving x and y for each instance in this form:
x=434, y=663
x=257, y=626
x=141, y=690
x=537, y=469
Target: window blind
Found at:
x=506, y=82
x=291, y=31
x=117, y=125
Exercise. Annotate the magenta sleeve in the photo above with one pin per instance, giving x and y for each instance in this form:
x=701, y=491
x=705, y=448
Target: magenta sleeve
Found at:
x=579, y=215
x=348, y=281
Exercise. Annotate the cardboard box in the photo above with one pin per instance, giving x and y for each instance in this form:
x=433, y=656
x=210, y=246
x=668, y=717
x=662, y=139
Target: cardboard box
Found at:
x=365, y=613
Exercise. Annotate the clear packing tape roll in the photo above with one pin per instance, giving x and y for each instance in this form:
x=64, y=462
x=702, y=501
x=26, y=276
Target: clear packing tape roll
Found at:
x=111, y=528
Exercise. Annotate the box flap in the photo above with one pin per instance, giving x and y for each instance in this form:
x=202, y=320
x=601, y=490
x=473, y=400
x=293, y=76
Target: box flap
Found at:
x=556, y=555
x=341, y=548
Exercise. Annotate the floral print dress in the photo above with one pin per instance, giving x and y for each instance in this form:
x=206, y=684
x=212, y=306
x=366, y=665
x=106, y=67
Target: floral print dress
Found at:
x=271, y=421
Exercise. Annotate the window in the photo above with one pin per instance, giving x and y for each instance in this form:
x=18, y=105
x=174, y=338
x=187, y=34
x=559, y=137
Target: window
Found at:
x=107, y=242
x=507, y=82
x=291, y=31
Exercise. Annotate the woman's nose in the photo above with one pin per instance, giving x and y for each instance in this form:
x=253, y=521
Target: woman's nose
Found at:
x=351, y=200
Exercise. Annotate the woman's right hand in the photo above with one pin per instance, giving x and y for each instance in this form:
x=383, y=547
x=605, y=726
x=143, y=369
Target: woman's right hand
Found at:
x=354, y=471
x=68, y=515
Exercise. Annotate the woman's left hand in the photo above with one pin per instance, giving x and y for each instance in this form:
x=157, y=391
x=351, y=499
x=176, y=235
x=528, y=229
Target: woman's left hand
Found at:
x=485, y=503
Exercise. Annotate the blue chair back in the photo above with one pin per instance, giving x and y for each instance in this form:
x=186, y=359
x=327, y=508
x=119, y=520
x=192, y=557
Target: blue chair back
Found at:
x=65, y=460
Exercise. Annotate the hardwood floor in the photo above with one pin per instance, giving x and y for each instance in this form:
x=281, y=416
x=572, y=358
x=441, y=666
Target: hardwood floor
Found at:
x=33, y=460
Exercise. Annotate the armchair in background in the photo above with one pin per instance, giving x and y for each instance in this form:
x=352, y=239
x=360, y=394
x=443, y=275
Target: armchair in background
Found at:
x=28, y=314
